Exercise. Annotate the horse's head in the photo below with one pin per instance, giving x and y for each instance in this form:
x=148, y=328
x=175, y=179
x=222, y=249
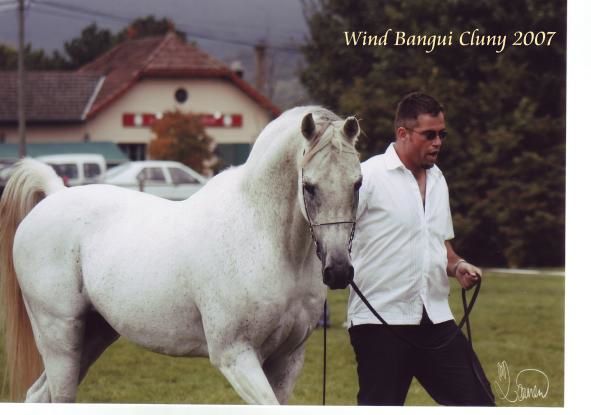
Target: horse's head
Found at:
x=329, y=182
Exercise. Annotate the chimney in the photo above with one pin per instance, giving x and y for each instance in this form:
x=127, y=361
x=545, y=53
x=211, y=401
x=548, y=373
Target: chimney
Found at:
x=237, y=68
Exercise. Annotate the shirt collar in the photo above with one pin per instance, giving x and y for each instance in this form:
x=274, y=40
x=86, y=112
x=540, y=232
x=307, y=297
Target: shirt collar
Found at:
x=393, y=162
x=391, y=159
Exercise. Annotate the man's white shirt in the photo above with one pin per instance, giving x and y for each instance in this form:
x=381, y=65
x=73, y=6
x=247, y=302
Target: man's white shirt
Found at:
x=399, y=252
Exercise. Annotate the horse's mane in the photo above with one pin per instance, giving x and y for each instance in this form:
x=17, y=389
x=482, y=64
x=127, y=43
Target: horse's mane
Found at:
x=286, y=130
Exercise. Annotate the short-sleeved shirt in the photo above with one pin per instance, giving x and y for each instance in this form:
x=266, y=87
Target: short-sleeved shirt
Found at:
x=399, y=252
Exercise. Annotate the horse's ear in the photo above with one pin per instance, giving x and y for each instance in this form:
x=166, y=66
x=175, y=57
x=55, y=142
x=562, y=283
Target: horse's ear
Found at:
x=308, y=126
x=351, y=128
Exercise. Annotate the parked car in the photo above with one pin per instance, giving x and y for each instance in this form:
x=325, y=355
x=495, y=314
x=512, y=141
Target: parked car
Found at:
x=77, y=169
x=74, y=169
x=168, y=179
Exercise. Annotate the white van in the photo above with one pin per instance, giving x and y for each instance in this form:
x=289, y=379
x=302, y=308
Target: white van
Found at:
x=77, y=169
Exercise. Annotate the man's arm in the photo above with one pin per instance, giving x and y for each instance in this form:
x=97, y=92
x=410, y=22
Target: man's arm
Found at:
x=457, y=267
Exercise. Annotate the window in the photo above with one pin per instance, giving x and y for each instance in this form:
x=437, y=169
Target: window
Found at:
x=135, y=152
x=152, y=174
x=91, y=170
x=181, y=95
x=233, y=154
x=180, y=176
x=69, y=170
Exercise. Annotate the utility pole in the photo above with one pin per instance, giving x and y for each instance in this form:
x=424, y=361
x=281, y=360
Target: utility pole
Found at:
x=22, y=147
x=261, y=66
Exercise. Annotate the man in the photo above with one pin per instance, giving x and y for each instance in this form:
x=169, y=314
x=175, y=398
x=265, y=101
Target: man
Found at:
x=402, y=259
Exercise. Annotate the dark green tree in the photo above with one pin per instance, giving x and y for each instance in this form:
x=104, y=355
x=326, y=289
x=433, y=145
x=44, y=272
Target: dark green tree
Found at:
x=148, y=26
x=94, y=41
x=8, y=58
x=505, y=158
x=35, y=59
x=91, y=43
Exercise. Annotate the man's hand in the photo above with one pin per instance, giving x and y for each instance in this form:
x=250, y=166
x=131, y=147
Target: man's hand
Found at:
x=467, y=274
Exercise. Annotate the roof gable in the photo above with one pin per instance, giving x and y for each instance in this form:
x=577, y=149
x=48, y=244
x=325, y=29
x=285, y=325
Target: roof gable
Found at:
x=167, y=56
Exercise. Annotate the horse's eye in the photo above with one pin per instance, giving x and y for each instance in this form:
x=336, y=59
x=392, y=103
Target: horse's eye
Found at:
x=310, y=189
x=357, y=185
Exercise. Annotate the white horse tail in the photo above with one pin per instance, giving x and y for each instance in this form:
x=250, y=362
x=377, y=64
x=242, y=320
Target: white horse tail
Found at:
x=30, y=182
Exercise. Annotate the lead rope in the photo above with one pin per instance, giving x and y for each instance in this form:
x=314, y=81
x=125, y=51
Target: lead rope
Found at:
x=324, y=353
x=465, y=320
x=325, y=310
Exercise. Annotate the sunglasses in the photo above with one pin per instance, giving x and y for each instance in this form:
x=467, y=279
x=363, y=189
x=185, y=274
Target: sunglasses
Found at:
x=430, y=134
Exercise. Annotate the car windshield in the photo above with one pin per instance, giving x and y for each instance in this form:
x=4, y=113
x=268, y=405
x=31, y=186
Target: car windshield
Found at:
x=152, y=174
x=180, y=176
x=114, y=171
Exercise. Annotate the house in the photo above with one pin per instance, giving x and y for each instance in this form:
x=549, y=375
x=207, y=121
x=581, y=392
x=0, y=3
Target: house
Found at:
x=116, y=98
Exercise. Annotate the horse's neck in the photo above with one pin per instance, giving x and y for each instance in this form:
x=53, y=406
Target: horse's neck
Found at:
x=271, y=185
x=271, y=169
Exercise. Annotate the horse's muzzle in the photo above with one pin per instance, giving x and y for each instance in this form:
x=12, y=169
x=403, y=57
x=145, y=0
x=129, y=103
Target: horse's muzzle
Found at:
x=338, y=274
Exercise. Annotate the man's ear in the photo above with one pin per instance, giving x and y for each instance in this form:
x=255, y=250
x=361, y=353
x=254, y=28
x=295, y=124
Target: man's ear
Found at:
x=401, y=134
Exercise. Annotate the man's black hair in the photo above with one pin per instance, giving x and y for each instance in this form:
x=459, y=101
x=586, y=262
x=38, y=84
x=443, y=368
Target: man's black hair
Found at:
x=413, y=105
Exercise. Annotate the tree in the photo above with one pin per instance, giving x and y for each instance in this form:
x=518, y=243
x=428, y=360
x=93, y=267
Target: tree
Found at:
x=505, y=158
x=91, y=43
x=94, y=41
x=148, y=26
x=181, y=137
x=35, y=59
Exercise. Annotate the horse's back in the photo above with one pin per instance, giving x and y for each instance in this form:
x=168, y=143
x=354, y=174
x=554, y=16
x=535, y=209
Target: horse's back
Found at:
x=73, y=216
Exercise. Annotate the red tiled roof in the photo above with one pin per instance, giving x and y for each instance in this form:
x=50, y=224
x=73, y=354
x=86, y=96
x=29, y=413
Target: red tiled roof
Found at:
x=50, y=96
x=167, y=56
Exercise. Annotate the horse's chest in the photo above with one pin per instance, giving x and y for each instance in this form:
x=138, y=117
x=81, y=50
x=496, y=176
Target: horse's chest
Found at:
x=291, y=330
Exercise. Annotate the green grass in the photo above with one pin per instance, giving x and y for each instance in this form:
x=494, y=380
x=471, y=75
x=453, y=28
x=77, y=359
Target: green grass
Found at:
x=517, y=319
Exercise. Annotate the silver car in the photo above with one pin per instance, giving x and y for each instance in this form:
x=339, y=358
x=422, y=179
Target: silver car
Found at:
x=168, y=179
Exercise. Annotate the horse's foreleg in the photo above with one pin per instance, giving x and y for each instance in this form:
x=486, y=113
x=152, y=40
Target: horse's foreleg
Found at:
x=240, y=364
x=282, y=372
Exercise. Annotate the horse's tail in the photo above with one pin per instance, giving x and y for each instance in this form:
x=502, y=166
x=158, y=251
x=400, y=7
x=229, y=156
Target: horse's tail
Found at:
x=31, y=181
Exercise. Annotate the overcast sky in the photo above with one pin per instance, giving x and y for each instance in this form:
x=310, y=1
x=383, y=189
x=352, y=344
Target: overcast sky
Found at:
x=217, y=25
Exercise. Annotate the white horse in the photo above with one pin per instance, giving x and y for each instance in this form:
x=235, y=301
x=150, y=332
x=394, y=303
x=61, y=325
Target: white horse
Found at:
x=229, y=273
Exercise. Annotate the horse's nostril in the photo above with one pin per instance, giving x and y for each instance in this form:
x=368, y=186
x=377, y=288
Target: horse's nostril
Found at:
x=328, y=276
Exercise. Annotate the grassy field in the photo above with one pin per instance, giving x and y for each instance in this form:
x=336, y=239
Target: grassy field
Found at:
x=517, y=320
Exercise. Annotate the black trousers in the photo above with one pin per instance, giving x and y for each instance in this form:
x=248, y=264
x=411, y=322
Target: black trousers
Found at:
x=386, y=365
